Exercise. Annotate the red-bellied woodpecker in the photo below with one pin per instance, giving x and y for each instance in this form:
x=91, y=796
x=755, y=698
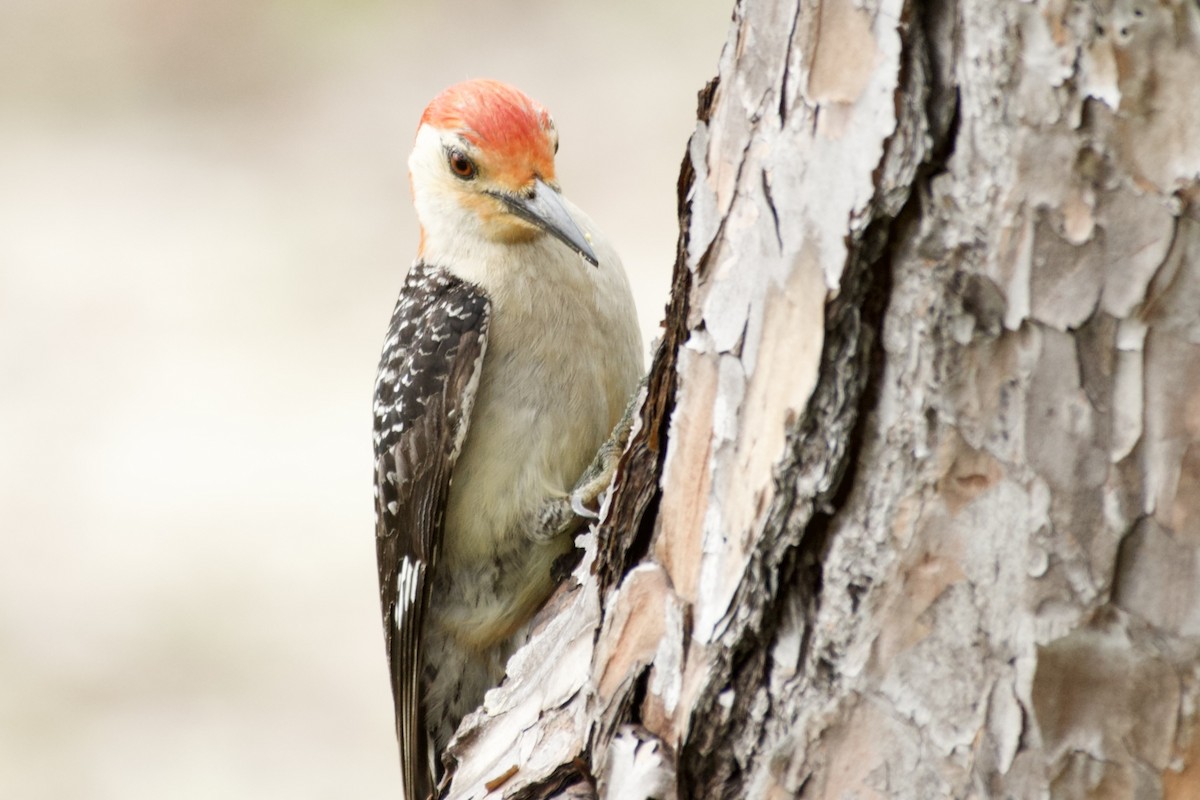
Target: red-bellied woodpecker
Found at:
x=511, y=354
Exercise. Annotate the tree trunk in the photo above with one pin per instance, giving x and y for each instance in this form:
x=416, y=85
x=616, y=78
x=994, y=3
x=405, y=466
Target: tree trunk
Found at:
x=912, y=509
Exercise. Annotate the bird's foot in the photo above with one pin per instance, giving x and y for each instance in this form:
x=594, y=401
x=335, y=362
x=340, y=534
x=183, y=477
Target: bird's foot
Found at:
x=581, y=510
x=560, y=516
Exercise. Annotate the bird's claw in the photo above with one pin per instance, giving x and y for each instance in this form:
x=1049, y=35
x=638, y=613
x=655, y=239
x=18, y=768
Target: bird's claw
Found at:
x=561, y=516
x=580, y=508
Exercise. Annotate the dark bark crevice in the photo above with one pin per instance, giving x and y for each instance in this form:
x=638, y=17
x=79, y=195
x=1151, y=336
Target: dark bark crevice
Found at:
x=824, y=455
x=624, y=539
x=572, y=780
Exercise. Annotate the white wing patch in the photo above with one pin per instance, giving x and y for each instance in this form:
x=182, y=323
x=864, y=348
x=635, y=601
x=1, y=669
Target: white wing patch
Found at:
x=408, y=583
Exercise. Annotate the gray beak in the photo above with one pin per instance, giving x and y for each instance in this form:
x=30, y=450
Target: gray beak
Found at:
x=546, y=209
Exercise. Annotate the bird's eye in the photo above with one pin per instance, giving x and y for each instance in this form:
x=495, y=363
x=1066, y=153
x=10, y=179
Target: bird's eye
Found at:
x=460, y=165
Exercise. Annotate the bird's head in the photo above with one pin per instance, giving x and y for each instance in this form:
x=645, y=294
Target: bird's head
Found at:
x=483, y=166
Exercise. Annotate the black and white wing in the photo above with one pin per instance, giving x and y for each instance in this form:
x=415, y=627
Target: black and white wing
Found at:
x=428, y=376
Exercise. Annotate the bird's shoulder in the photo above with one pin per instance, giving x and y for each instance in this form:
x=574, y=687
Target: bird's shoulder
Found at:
x=439, y=321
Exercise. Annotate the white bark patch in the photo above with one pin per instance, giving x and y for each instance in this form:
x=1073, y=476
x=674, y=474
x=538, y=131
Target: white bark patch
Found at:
x=1006, y=724
x=1128, y=396
x=640, y=768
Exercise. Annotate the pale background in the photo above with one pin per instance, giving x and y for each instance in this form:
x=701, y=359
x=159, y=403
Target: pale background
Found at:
x=204, y=219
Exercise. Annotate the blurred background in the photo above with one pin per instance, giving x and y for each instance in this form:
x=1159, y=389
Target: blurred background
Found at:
x=204, y=221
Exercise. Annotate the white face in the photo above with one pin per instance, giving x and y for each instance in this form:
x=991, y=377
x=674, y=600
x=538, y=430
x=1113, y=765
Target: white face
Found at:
x=455, y=185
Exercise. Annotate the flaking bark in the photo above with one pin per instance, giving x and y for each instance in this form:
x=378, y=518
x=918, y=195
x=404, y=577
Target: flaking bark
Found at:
x=912, y=506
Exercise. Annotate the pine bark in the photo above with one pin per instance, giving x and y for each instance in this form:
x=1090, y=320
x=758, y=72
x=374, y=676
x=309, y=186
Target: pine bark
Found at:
x=912, y=507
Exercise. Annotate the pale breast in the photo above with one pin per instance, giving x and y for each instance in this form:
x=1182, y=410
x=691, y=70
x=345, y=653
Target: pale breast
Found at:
x=563, y=357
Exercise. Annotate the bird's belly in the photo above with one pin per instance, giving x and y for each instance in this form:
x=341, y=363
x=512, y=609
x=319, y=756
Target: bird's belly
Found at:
x=529, y=441
x=532, y=434
x=486, y=605
x=476, y=620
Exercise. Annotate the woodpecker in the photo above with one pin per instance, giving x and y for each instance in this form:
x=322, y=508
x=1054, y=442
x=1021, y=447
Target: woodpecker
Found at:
x=511, y=353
